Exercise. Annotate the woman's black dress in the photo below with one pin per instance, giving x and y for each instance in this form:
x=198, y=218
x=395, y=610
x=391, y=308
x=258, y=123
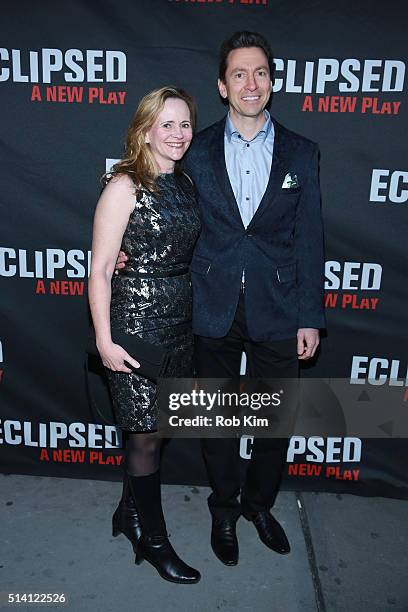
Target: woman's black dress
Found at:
x=159, y=238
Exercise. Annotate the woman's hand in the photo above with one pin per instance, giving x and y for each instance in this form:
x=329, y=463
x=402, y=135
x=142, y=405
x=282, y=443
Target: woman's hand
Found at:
x=113, y=357
x=120, y=261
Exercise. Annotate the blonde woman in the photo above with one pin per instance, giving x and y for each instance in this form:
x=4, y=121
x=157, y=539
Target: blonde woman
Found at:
x=148, y=209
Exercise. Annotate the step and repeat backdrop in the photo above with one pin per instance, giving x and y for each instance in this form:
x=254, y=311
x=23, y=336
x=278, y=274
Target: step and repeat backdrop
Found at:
x=70, y=79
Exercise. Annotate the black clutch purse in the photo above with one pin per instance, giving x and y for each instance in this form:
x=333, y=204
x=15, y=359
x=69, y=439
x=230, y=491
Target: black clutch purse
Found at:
x=153, y=359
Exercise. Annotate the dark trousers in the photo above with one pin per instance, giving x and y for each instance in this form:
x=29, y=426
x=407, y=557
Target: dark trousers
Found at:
x=221, y=358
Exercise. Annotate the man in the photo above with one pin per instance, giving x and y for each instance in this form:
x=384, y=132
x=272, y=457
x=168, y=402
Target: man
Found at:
x=257, y=274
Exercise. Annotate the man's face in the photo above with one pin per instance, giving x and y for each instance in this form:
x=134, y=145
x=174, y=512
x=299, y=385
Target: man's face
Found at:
x=247, y=81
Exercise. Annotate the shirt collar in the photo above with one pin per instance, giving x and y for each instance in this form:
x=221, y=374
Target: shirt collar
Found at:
x=263, y=133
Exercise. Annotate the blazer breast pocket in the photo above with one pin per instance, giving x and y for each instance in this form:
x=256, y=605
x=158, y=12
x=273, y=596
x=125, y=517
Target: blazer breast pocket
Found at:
x=291, y=190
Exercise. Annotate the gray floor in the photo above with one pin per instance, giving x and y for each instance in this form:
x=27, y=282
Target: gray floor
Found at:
x=348, y=553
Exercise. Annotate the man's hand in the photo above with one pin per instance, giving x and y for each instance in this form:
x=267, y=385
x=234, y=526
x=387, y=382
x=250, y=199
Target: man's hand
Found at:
x=307, y=342
x=120, y=262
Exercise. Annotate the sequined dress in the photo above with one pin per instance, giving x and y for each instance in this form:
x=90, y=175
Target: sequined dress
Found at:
x=159, y=238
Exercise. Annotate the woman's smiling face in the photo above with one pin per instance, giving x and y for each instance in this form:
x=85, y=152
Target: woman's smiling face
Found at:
x=171, y=134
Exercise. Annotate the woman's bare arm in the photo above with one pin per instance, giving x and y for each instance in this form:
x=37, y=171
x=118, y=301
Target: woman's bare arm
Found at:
x=111, y=217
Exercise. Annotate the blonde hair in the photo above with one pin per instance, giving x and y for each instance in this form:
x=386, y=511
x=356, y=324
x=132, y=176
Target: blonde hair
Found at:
x=138, y=161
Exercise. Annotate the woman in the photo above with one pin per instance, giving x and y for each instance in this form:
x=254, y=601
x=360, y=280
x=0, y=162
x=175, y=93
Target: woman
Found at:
x=147, y=208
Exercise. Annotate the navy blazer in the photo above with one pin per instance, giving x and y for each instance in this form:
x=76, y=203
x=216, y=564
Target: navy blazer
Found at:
x=281, y=250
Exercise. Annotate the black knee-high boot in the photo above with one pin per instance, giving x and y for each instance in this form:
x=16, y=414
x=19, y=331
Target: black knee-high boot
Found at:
x=154, y=545
x=125, y=518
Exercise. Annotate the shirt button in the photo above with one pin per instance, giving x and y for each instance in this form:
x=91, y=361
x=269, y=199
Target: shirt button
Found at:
x=247, y=171
x=247, y=198
x=247, y=144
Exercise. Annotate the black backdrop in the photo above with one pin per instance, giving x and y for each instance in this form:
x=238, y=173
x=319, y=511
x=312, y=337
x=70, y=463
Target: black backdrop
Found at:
x=70, y=78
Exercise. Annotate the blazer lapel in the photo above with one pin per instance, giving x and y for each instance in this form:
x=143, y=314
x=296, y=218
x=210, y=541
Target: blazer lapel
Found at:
x=276, y=175
x=217, y=156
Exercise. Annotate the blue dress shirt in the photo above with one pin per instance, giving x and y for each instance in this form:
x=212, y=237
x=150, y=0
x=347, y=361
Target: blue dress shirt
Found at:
x=249, y=165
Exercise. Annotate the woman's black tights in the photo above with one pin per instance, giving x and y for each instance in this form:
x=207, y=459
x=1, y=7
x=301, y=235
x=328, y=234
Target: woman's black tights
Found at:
x=142, y=453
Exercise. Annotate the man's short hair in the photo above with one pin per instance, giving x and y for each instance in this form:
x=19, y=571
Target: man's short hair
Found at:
x=241, y=40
